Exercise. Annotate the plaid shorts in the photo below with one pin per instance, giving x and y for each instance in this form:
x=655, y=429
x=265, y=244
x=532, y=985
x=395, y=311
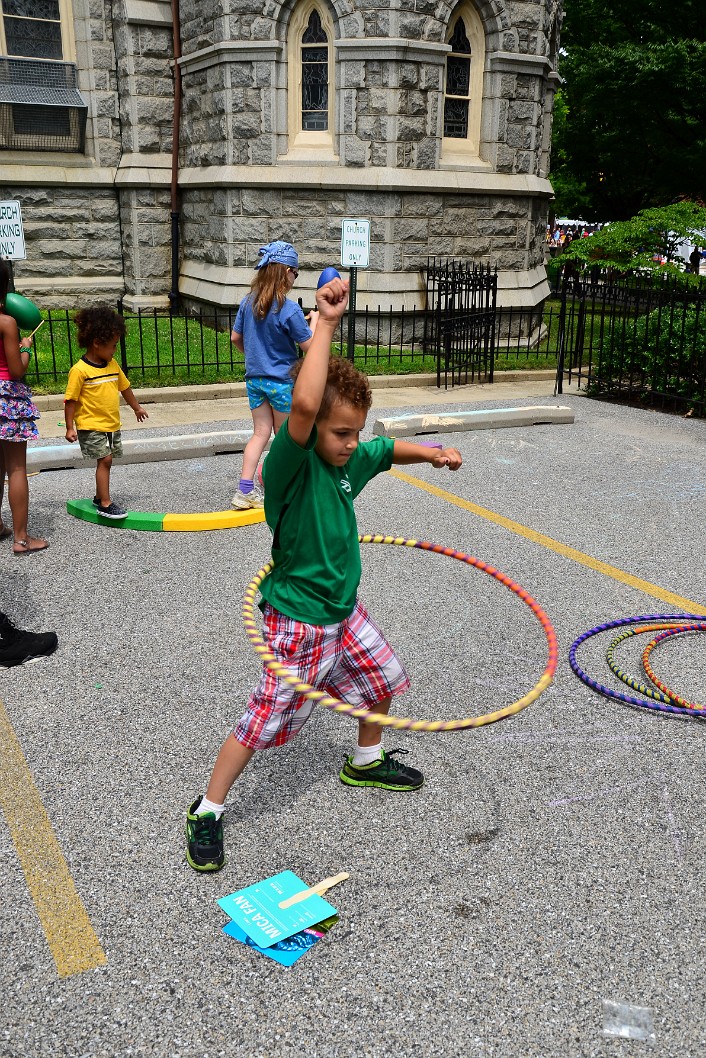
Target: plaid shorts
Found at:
x=351, y=660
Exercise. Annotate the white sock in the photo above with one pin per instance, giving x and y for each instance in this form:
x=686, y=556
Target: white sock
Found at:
x=210, y=806
x=367, y=755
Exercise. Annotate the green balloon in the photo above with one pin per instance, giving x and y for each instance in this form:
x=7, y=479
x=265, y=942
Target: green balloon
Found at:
x=24, y=311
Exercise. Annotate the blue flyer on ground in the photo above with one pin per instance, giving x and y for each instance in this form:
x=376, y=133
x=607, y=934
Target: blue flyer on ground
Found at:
x=286, y=951
x=256, y=909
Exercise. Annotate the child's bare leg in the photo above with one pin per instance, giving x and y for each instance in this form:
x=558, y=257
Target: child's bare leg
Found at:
x=262, y=428
x=371, y=734
x=2, y=485
x=204, y=822
x=371, y=766
x=231, y=761
x=278, y=418
x=15, y=458
x=103, y=480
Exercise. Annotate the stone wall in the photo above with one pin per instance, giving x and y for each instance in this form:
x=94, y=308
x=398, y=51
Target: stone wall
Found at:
x=73, y=244
x=105, y=219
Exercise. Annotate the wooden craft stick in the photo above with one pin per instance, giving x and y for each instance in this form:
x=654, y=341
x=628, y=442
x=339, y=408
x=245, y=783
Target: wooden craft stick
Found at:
x=316, y=890
x=41, y=322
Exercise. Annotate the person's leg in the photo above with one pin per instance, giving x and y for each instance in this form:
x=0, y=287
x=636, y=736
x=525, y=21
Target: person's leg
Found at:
x=249, y=494
x=369, y=674
x=278, y=418
x=263, y=422
x=3, y=531
x=230, y=763
x=15, y=453
x=103, y=480
x=204, y=823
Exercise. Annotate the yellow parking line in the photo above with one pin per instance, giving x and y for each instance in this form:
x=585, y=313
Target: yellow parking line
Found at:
x=554, y=545
x=72, y=942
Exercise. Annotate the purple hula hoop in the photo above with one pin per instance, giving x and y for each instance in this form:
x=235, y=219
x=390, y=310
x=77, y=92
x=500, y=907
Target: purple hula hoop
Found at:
x=643, y=703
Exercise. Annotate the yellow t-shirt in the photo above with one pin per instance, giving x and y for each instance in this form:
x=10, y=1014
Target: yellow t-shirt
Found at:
x=96, y=391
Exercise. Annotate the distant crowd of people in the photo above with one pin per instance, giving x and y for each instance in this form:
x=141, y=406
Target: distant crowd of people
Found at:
x=561, y=236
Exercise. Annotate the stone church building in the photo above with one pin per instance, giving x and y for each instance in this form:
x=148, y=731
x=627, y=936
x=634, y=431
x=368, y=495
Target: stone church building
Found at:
x=143, y=177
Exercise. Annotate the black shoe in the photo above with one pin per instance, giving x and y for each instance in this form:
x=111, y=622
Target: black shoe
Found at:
x=204, y=840
x=19, y=648
x=112, y=511
x=386, y=773
x=96, y=502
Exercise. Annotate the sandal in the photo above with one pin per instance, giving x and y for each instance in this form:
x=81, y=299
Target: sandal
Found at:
x=5, y=532
x=27, y=548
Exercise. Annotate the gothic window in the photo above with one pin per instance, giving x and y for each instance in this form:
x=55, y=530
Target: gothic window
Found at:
x=463, y=92
x=310, y=81
x=31, y=29
x=314, y=76
x=458, y=84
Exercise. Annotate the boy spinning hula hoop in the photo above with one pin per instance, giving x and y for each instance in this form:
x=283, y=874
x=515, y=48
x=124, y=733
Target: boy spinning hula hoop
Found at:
x=314, y=623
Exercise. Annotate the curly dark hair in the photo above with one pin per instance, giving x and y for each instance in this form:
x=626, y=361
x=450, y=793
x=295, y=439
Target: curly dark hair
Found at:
x=99, y=324
x=344, y=384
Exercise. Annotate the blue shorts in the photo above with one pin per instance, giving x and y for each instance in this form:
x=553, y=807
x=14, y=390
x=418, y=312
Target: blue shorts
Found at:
x=277, y=394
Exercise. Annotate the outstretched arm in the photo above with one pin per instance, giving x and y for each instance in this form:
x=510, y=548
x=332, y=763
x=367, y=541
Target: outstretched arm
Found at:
x=406, y=453
x=331, y=301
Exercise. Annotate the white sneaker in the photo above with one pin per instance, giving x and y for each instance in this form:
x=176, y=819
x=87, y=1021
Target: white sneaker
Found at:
x=244, y=501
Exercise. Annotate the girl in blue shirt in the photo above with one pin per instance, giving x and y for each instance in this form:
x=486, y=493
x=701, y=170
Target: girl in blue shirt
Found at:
x=267, y=329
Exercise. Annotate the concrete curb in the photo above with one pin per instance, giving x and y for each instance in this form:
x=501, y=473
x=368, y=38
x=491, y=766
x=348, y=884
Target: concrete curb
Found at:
x=144, y=450
x=482, y=419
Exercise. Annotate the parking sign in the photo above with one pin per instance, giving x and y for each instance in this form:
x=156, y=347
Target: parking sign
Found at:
x=355, y=243
x=12, y=236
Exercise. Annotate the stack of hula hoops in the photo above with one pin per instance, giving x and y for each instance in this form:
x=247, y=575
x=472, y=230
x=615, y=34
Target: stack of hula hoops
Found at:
x=656, y=696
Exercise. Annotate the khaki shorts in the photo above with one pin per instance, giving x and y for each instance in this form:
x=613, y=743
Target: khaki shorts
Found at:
x=95, y=444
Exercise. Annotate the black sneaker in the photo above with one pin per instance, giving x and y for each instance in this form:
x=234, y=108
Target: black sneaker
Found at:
x=386, y=774
x=20, y=648
x=112, y=511
x=96, y=502
x=204, y=840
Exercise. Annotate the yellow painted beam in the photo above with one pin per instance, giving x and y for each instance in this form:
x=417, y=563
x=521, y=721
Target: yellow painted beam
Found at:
x=555, y=545
x=194, y=523
x=67, y=927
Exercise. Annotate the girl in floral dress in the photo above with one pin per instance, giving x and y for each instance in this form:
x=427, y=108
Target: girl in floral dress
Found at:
x=18, y=415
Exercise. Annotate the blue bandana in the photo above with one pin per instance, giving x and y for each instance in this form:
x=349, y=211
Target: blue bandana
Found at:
x=278, y=252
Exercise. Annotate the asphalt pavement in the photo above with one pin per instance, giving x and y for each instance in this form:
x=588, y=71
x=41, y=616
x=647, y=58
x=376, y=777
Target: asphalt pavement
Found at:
x=549, y=868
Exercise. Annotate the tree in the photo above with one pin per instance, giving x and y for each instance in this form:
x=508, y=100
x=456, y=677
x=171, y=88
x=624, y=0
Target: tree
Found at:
x=630, y=131
x=644, y=240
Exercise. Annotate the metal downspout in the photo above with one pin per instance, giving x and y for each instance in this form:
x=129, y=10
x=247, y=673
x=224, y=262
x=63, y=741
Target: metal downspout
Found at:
x=176, y=128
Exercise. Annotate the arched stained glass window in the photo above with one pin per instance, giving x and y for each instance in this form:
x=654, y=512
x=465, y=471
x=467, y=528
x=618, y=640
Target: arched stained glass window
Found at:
x=314, y=76
x=458, y=84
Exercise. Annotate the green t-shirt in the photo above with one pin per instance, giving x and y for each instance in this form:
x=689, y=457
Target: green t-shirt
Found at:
x=309, y=508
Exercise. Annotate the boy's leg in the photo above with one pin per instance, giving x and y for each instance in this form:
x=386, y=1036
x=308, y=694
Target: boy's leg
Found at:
x=368, y=669
x=204, y=825
x=103, y=480
x=230, y=763
x=370, y=765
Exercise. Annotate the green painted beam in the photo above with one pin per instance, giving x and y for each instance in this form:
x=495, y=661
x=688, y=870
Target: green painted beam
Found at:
x=147, y=520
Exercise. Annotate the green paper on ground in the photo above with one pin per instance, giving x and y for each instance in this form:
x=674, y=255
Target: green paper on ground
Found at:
x=256, y=909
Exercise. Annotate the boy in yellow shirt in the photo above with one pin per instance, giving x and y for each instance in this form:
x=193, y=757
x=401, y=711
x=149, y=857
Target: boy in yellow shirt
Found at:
x=92, y=399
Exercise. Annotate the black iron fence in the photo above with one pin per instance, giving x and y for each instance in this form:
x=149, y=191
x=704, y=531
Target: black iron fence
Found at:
x=631, y=339
x=460, y=322
x=636, y=339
